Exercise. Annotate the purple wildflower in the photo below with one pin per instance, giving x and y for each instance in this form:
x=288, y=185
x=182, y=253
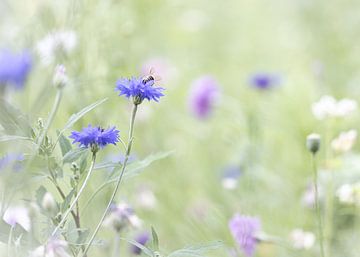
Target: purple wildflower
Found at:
x=264, y=81
x=244, y=230
x=203, y=95
x=121, y=216
x=12, y=160
x=14, y=68
x=95, y=136
x=142, y=239
x=139, y=89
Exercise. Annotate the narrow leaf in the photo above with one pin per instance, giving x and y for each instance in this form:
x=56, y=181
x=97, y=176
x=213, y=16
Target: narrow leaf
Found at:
x=75, y=117
x=74, y=154
x=65, y=144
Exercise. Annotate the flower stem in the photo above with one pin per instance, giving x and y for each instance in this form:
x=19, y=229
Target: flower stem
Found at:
x=64, y=216
x=116, y=252
x=51, y=118
x=127, y=154
x=10, y=241
x=317, y=207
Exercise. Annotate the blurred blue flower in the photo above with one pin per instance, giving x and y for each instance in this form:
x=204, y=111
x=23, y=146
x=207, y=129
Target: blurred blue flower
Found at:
x=12, y=159
x=244, y=229
x=142, y=239
x=264, y=81
x=139, y=88
x=204, y=93
x=230, y=177
x=95, y=135
x=14, y=68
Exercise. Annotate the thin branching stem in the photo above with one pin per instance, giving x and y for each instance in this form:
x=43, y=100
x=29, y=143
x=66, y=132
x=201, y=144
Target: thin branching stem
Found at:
x=64, y=216
x=127, y=154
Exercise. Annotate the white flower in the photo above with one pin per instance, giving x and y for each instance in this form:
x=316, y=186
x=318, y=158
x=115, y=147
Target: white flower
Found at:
x=302, y=239
x=345, y=141
x=18, y=215
x=55, y=248
x=349, y=194
x=146, y=198
x=327, y=107
x=229, y=183
x=63, y=41
x=48, y=203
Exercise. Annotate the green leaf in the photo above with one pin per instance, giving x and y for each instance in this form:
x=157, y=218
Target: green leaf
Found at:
x=13, y=120
x=74, y=154
x=155, y=239
x=66, y=203
x=196, y=251
x=83, y=164
x=5, y=138
x=135, y=168
x=75, y=117
x=39, y=195
x=132, y=170
x=65, y=144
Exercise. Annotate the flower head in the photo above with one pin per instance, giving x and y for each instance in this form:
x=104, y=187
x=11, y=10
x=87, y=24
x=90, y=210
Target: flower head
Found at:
x=55, y=248
x=55, y=43
x=121, y=216
x=230, y=177
x=18, y=215
x=302, y=239
x=244, y=230
x=344, y=142
x=264, y=81
x=139, y=89
x=328, y=107
x=12, y=160
x=203, y=96
x=90, y=136
x=14, y=68
x=142, y=239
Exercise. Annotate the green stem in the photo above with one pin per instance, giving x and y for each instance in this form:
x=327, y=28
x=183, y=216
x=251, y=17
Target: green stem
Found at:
x=329, y=215
x=68, y=211
x=9, y=242
x=128, y=150
x=51, y=118
x=317, y=207
x=116, y=251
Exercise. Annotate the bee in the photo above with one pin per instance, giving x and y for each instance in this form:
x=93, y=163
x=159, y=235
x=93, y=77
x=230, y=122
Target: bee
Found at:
x=151, y=78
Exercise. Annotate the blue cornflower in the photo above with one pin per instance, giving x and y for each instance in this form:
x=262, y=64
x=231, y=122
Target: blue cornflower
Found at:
x=14, y=68
x=142, y=239
x=264, y=81
x=12, y=160
x=139, y=89
x=95, y=136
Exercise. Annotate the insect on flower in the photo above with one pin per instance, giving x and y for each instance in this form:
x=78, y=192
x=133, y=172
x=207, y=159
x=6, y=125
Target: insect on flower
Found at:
x=151, y=78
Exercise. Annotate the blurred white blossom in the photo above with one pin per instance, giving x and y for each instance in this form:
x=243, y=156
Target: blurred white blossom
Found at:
x=302, y=239
x=18, y=215
x=62, y=41
x=345, y=141
x=328, y=107
x=146, y=198
x=55, y=248
x=122, y=216
x=349, y=193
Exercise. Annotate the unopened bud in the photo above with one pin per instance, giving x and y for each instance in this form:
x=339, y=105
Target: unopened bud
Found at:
x=313, y=143
x=48, y=203
x=60, y=78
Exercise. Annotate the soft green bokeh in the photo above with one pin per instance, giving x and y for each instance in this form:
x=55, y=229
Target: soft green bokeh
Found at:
x=230, y=40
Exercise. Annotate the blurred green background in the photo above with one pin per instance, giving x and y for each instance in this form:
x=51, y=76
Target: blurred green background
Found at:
x=312, y=44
